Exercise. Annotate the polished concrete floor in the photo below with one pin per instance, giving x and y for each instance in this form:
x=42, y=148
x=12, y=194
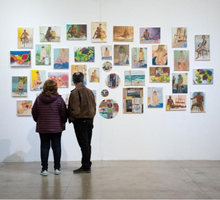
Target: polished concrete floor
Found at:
x=113, y=180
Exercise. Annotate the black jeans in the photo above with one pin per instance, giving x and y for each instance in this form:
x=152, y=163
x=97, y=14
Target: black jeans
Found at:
x=47, y=140
x=83, y=129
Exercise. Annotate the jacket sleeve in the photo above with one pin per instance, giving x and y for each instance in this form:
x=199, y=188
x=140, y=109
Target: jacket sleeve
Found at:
x=34, y=111
x=63, y=111
x=73, y=106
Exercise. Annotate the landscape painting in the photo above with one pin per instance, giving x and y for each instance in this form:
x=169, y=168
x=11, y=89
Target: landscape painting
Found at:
x=134, y=78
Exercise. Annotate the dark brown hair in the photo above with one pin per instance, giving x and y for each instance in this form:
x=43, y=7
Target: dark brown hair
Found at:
x=50, y=88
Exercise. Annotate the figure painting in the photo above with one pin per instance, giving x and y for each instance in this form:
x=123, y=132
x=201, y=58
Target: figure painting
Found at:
x=176, y=102
x=159, y=75
x=99, y=31
x=76, y=32
x=159, y=55
x=139, y=57
x=61, y=58
x=49, y=34
x=134, y=78
x=61, y=78
x=181, y=60
x=179, y=37
x=106, y=52
x=20, y=58
x=155, y=97
x=84, y=54
x=43, y=54
x=202, y=76
x=94, y=75
x=123, y=33
x=107, y=66
x=150, y=35
x=108, y=108
x=79, y=68
x=24, y=107
x=25, y=38
x=202, y=47
x=38, y=77
x=19, y=86
x=112, y=81
x=197, y=102
x=121, y=55
x=180, y=82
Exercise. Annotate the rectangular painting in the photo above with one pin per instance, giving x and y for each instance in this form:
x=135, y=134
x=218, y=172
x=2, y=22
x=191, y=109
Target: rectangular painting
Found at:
x=134, y=78
x=121, y=55
x=180, y=82
x=20, y=58
x=99, y=31
x=79, y=68
x=43, y=54
x=202, y=47
x=181, y=60
x=49, y=34
x=61, y=78
x=94, y=75
x=155, y=97
x=106, y=52
x=76, y=32
x=25, y=38
x=123, y=33
x=24, y=107
x=139, y=57
x=84, y=54
x=197, y=102
x=150, y=35
x=19, y=86
x=38, y=77
x=61, y=58
x=159, y=55
x=159, y=75
x=179, y=37
x=176, y=102
x=202, y=76
x=133, y=101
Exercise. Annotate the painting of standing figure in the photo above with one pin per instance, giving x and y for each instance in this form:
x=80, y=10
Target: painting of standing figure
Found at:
x=99, y=31
x=61, y=58
x=25, y=38
x=49, y=34
x=139, y=57
x=180, y=82
x=121, y=55
x=202, y=47
x=181, y=60
x=197, y=102
x=179, y=37
x=123, y=33
x=76, y=32
x=149, y=35
x=19, y=86
x=155, y=97
x=159, y=55
x=43, y=54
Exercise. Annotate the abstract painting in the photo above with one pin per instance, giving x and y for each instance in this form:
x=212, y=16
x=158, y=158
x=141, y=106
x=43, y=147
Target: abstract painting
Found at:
x=112, y=81
x=181, y=60
x=19, y=86
x=99, y=31
x=149, y=35
x=20, y=58
x=155, y=97
x=108, y=108
x=159, y=55
x=24, y=107
x=106, y=52
x=94, y=75
x=43, y=54
x=38, y=77
x=197, y=102
x=202, y=47
x=84, y=54
x=134, y=78
x=202, y=76
x=139, y=57
x=180, y=82
x=159, y=75
x=104, y=93
x=175, y=102
x=123, y=33
x=76, y=32
x=61, y=58
x=49, y=34
x=25, y=38
x=179, y=37
x=121, y=55
x=61, y=78
x=79, y=68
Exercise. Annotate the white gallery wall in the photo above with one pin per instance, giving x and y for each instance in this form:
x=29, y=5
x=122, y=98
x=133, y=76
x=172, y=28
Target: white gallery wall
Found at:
x=154, y=135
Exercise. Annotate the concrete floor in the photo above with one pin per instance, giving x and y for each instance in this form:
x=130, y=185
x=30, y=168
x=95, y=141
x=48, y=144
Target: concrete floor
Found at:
x=113, y=180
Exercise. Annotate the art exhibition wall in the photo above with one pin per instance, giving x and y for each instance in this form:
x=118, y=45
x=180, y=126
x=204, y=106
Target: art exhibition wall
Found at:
x=154, y=135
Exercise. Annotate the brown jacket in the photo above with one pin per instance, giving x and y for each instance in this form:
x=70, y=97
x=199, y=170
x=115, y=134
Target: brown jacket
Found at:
x=81, y=103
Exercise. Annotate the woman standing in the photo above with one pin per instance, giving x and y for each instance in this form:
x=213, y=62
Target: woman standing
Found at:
x=49, y=111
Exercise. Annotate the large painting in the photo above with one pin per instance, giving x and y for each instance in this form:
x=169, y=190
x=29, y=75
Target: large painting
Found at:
x=79, y=68
x=180, y=82
x=155, y=97
x=25, y=38
x=99, y=31
x=49, y=34
x=176, y=102
x=134, y=78
x=139, y=57
x=61, y=58
x=123, y=33
x=179, y=37
x=159, y=55
x=149, y=35
x=43, y=54
x=76, y=32
x=181, y=60
x=61, y=78
x=202, y=47
x=20, y=58
x=84, y=54
x=159, y=75
x=19, y=86
x=197, y=102
x=121, y=55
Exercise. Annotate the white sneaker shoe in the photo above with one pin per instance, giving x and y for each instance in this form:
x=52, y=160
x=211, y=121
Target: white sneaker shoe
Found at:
x=44, y=173
x=57, y=172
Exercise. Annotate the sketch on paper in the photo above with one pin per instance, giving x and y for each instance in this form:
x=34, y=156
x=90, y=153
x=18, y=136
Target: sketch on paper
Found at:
x=106, y=52
x=181, y=60
x=24, y=107
x=155, y=97
x=38, y=77
x=107, y=66
x=43, y=54
x=99, y=31
x=61, y=78
x=49, y=34
x=108, y=108
x=202, y=47
x=19, y=86
x=79, y=68
x=94, y=75
x=61, y=58
x=112, y=81
x=123, y=33
x=149, y=35
x=20, y=58
x=159, y=55
x=134, y=78
x=84, y=54
x=176, y=103
x=202, y=76
x=104, y=93
x=180, y=82
x=197, y=102
x=76, y=32
x=121, y=55
x=159, y=75
x=139, y=57
x=25, y=38
x=179, y=37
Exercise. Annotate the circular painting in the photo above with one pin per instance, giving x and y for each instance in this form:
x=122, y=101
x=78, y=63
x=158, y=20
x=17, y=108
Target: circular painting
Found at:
x=105, y=93
x=108, y=108
x=107, y=66
x=112, y=81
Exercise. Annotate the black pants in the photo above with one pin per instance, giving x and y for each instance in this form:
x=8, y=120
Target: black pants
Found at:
x=47, y=140
x=83, y=129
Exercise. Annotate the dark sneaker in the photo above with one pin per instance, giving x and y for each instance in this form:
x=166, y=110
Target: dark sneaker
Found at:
x=81, y=170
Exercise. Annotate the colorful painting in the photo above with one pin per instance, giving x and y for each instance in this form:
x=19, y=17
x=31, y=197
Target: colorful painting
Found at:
x=20, y=58
x=159, y=55
x=24, y=107
x=99, y=31
x=43, y=54
x=79, y=68
x=108, y=108
x=179, y=37
x=197, y=102
x=121, y=55
x=202, y=47
x=19, y=86
x=84, y=54
x=181, y=60
x=94, y=75
x=159, y=75
x=155, y=97
x=202, y=76
x=38, y=77
x=139, y=57
x=61, y=58
x=61, y=78
x=104, y=93
x=25, y=38
x=149, y=35
x=133, y=100
x=107, y=66
x=176, y=102
x=76, y=32
x=112, y=81
x=49, y=34
x=134, y=78
x=106, y=52
x=123, y=33
x=180, y=82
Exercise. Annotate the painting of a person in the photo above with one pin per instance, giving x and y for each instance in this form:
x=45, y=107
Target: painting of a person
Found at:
x=43, y=54
x=181, y=62
x=122, y=56
x=161, y=56
x=201, y=47
x=98, y=31
x=199, y=102
x=37, y=83
x=109, y=110
x=49, y=35
x=106, y=52
x=146, y=35
x=125, y=34
x=20, y=87
x=94, y=77
x=24, y=37
x=141, y=55
x=155, y=100
x=170, y=103
x=62, y=60
x=180, y=82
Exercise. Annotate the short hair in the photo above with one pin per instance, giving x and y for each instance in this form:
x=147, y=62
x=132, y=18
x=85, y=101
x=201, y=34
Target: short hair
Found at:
x=78, y=77
x=50, y=88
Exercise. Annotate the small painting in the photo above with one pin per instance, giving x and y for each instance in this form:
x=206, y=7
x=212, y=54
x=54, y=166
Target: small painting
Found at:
x=121, y=55
x=49, y=34
x=20, y=58
x=159, y=75
x=94, y=75
x=84, y=54
x=38, y=77
x=106, y=52
x=108, y=108
x=202, y=47
x=61, y=78
x=134, y=78
x=176, y=102
x=24, y=107
x=123, y=33
x=76, y=32
x=99, y=31
x=202, y=76
x=112, y=81
x=139, y=57
x=180, y=82
x=149, y=35
x=159, y=55
x=25, y=38
x=181, y=60
x=107, y=66
x=19, y=86
x=66, y=99
x=197, y=102
x=43, y=54
x=79, y=68
x=179, y=37
x=155, y=97
x=61, y=58
x=104, y=93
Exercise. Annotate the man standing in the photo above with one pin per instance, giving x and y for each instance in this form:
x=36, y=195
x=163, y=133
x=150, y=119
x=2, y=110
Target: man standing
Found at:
x=82, y=109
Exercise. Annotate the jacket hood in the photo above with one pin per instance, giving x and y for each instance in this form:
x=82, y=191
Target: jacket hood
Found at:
x=48, y=99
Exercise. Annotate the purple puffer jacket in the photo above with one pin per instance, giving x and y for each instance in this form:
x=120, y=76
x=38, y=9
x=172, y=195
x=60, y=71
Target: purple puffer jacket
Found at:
x=50, y=113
